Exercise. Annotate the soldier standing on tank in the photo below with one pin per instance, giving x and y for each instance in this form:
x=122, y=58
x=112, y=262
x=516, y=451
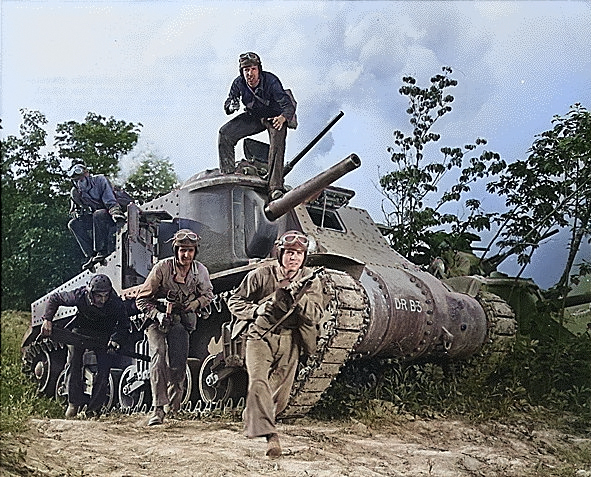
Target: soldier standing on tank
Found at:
x=183, y=283
x=272, y=355
x=101, y=314
x=95, y=212
x=267, y=106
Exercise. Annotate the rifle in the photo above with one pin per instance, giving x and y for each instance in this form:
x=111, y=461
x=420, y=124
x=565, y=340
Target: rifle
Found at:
x=305, y=284
x=88, y=342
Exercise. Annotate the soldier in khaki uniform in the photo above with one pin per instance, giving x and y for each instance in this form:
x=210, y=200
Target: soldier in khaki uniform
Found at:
x=185, y=283
x=272, y=356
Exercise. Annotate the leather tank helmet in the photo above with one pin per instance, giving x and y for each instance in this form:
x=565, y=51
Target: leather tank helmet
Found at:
x=98, y=284
x=185, y=238
x=292, y=240
x=249, y=59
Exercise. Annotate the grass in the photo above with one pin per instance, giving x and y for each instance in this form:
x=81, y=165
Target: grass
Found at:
x=19, y=400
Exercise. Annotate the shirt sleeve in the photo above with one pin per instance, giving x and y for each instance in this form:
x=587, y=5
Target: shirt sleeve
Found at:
x=68, y=298
x=244, y=300
x=205, y=288
x=279, y=95
x=107, y=195
x=146, y=297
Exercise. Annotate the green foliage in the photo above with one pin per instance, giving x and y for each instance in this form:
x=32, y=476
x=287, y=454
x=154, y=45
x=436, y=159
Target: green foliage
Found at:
x=550, y=189
x=98, y=142
x=38, y=251
x=19, y=397
x=152, y=178
x=554, y=378
x=36, y=243
x=414, y=183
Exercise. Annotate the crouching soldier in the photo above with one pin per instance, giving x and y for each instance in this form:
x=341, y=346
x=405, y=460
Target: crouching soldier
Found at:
x=184, y=283
x=278, y=332
x=101, y=316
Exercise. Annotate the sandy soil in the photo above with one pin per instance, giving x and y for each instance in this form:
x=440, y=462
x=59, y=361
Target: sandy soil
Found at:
x=122, y=446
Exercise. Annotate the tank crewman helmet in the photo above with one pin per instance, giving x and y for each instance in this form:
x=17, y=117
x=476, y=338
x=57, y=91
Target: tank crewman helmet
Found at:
x=292, y=240
x=249, y=59
x=98, y=284
x=185, y=238
x=77, y=171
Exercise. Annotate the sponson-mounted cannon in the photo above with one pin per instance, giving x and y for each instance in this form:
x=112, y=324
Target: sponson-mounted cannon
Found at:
x=377, y=303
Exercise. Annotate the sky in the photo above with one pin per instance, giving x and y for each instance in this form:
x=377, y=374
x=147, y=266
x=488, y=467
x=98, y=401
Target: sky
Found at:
x=168, y=65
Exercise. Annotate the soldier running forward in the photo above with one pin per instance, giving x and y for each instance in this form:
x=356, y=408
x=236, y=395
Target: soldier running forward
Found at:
x=184, y=285
x=267, y=106
x=101, y=314
x=273, y=352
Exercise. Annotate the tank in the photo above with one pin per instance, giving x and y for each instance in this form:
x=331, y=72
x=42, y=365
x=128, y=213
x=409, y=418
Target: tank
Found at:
x=378, y=304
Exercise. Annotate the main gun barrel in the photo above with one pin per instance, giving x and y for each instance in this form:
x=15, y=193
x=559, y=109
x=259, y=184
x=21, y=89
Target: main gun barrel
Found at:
x=310, y=188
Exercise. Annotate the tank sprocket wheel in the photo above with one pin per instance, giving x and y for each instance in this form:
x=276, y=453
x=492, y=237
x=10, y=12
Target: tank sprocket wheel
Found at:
x=43, y=362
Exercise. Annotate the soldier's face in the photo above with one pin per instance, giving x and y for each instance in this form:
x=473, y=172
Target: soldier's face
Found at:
x=251, y=75
x=186, y=255
x=99, y=299
x=292, y=260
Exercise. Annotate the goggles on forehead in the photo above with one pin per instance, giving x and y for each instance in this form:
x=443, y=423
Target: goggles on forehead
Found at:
x=76, y=171
x=290, y=239
x=185, y=235
x=249, y=56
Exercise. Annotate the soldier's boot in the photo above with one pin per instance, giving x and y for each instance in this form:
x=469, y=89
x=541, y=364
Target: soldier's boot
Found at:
x=158, y=417
x=71, y=411
x=89, y=264
x=273, y=446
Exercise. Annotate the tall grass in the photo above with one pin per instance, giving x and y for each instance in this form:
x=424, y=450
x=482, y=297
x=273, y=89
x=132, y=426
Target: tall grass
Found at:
x=19, y=400
x=552, y=380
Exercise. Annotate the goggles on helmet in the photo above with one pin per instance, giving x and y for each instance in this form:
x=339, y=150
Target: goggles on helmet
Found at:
x=76, y=171
x=250, y=56
x=293, y=238
x=182, y=235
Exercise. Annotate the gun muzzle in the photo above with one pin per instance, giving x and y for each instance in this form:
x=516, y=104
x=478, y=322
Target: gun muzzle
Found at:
x=311, y=188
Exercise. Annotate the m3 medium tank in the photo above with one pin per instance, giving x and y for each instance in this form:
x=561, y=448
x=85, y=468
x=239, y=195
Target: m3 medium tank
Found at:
x=378, y=304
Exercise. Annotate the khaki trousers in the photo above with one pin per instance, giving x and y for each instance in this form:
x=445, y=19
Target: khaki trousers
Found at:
x=271, y=363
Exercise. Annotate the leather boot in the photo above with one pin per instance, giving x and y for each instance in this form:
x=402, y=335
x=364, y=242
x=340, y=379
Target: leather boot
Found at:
x=273, y=446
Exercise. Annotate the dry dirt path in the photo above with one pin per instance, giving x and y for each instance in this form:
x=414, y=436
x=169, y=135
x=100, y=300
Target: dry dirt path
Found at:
x=122, y=446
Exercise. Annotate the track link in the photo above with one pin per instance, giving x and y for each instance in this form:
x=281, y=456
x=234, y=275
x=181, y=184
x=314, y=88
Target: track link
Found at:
x=343, y=326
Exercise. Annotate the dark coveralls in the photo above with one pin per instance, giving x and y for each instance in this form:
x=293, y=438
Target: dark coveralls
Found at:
x=270, y=101
x=107, y=323
x=92, y=230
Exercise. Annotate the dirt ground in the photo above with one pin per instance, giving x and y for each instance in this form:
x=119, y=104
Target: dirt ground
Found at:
x=122, y=446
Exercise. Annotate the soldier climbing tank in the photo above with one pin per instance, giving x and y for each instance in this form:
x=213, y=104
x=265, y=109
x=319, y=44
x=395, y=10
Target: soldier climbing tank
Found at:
x=378, y=304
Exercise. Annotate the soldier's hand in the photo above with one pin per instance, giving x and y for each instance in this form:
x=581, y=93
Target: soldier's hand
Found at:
x=278, y=122
x=232, y=106
x=196, y=304
x=112, y=347
x=46, y=328
x=264, y=309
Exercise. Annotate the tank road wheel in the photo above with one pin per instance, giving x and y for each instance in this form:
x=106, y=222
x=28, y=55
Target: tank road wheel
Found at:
x=113, y=391
x=191, y=394
x=61, y=393
x=132, y=392
x=44, y=362
x=212, y=389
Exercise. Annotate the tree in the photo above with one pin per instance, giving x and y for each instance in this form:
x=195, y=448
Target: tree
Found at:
x=151, y=178
x=550, y=189
x=38, y=251
x=36, y=244
x=414, y=183
x=98, y=142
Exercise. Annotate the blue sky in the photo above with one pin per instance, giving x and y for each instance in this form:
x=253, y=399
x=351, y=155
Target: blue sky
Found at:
x=169, y=65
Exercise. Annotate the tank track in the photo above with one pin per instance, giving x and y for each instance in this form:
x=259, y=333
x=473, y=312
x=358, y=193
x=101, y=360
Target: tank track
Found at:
x=501, y=329
x=343, y=326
